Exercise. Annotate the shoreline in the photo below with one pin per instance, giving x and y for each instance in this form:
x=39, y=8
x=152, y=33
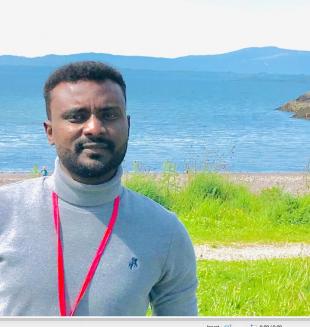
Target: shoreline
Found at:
x=296, y=183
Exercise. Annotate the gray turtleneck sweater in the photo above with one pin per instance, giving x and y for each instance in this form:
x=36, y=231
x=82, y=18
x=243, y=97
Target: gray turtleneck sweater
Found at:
x=149, y=257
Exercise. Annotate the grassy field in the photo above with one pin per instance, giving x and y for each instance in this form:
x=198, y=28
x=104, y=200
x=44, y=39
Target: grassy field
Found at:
x=217, y=211
x=278, y=287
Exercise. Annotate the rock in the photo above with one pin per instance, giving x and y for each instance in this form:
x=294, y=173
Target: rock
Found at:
x=300, y=107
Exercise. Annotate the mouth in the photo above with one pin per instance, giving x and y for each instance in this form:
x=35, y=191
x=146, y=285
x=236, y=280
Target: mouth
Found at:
x=96, y=146
x=96, y=150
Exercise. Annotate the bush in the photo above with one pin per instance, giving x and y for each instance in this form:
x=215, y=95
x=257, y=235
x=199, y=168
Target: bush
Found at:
x=147, y=186
x=283, y=208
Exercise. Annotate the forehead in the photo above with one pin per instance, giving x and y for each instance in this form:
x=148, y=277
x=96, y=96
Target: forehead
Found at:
x=87, y=94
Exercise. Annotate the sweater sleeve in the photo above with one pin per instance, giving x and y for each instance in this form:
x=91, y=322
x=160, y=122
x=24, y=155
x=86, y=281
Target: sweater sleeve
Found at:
x=175, y=293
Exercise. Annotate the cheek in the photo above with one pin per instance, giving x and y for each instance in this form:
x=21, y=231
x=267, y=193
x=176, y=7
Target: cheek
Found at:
x=121, y=136
x=64, y=136
x=121, y=131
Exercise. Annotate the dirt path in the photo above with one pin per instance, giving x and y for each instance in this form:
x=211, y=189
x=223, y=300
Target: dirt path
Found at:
x=252, y=252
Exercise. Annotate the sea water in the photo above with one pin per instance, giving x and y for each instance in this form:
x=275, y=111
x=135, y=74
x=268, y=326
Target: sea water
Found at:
x=196, y=120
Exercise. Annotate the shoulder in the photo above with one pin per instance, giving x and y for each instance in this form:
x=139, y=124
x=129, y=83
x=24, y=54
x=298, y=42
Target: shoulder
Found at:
x=151, y=211
x=18, y=201
x=162, y=229
x=26, y=189
x=156, y=218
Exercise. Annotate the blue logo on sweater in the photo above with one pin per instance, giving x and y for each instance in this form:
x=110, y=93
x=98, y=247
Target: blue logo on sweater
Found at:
x=133, y=263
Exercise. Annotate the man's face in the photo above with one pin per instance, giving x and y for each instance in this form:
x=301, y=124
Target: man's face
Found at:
x=89, y=128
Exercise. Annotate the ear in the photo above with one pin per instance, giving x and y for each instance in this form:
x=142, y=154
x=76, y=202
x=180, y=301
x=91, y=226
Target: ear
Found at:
x=128, y=120
x=49, y=131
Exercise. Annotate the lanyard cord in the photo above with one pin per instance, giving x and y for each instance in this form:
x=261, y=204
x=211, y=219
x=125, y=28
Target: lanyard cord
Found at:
x=94, y=264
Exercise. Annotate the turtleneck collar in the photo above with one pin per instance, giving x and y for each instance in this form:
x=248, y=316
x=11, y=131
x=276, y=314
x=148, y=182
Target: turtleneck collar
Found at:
x=80, y=194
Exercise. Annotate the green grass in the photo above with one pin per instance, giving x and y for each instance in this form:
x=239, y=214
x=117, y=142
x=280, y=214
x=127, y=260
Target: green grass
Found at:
x=217, y=211
x=278, y=287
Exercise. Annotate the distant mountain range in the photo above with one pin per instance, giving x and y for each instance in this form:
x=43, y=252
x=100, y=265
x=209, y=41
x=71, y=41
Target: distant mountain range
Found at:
x=249, y=60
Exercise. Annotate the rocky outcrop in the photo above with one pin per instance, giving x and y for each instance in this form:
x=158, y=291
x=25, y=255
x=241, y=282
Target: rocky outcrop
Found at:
x=300, y=107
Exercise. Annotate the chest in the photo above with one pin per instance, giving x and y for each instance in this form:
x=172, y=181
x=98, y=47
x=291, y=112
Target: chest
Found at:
x=127, y=271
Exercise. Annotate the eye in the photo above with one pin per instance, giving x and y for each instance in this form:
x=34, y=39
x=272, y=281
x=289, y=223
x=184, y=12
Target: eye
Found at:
x=109, y=115
x=77, y=117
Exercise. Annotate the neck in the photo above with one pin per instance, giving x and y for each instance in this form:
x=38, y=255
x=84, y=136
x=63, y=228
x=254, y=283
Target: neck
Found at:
x=89, y=180
x=85, y=194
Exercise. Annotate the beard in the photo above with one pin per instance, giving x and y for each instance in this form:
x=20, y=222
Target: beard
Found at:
x=97, y=165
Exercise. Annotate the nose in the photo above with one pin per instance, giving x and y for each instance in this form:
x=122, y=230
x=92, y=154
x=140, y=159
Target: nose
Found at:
x=93, y=126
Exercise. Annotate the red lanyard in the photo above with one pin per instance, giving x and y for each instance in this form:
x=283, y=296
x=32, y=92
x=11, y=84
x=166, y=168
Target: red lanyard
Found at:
x=94, y=264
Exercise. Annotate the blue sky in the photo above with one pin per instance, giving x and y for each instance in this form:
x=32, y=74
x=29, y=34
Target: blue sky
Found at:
x=161, y=28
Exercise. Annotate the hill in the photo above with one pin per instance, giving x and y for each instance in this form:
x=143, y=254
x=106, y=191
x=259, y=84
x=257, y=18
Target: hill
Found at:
x=271, y=60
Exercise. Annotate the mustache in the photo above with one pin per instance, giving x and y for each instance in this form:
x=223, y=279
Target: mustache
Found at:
x=79, y=145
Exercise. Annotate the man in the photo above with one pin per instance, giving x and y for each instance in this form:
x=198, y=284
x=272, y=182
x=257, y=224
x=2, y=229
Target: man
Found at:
x=78, y=242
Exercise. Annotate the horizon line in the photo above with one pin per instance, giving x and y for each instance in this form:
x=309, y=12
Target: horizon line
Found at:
x=151, y=56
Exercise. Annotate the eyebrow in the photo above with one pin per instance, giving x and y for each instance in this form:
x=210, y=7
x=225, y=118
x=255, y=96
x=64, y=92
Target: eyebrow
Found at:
x=110, y=107
x=82, y=109
x=73, y=111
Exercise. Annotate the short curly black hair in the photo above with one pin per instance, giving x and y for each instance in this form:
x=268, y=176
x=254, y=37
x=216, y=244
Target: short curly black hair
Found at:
x=81, y=71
